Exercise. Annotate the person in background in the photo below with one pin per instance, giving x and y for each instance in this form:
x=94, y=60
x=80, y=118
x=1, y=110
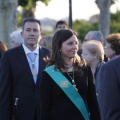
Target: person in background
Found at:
x=65, y=80
x=46, y=41
x=93, y=53
x=61, y=25
x=112, y=46
x=95, y=35
x=3, y=48
x=109, y=90
x=20, y=75
x=16, y=38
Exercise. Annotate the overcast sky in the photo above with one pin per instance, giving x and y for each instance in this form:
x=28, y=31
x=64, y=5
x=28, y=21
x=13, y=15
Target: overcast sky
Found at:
x=81, y=9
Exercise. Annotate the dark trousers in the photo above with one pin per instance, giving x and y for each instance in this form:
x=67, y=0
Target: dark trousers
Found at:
x=35, y=116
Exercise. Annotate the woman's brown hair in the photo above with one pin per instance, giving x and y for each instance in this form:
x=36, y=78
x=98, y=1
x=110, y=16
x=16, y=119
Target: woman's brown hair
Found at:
x=114, y=41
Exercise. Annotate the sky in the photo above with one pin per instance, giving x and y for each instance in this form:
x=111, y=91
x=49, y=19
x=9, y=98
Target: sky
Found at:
x=81, y=9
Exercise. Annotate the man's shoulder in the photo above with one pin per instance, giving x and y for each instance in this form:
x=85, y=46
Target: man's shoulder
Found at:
x=45, y=50
x=114, y=61
x=12, y=50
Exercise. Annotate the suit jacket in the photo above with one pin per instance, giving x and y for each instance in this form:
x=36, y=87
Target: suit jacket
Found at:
x=109, y=90
x=16, y=81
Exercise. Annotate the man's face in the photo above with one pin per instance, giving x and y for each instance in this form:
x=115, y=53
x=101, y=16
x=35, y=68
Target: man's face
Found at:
x=31, y=34
x=61, y=26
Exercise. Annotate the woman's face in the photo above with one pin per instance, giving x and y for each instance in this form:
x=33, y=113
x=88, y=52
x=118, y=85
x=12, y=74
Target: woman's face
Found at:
x=108, y=50
x=89, y=57
x=69, y=48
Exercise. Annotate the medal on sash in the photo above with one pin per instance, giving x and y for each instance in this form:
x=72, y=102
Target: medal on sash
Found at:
x=64, y=83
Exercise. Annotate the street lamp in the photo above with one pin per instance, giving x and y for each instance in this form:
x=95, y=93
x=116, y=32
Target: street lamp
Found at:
x=70, y=14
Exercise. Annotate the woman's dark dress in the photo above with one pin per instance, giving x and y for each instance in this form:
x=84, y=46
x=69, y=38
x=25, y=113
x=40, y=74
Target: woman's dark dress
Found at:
x=55, y=105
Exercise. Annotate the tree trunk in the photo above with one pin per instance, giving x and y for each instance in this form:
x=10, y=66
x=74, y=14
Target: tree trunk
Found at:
x=104, y=17
x=8, y=14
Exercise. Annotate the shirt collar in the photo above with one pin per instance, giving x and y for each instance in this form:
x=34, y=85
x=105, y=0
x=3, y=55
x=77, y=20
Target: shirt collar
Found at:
x=28, y=51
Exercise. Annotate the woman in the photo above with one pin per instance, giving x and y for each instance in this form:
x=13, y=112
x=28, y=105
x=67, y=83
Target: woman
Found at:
x=65, y=78
x=95, y=35
x=93, y=53
x=112, y=46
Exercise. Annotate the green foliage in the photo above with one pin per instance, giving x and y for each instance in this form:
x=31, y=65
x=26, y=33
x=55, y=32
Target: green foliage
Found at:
x=82, y=27
x=45, y=1
x=22, y=3
x=115, y=17
x=115, y=22
x=19, y=20
x=25, y=3
x=47, y=32
x=28, y=7
x=115, y=28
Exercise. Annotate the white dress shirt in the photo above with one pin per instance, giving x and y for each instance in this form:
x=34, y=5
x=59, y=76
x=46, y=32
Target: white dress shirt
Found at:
x=35, y=51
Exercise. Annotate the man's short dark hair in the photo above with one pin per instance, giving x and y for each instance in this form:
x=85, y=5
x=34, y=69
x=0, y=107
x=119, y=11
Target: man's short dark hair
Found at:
x=61, y=22
x=30, y=20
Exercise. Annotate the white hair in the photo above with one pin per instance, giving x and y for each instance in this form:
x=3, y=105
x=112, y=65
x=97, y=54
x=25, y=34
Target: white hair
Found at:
x=16, y=37
x=94, y=35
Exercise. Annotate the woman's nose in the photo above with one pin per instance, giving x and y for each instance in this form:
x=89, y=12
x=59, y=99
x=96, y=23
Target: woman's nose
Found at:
x=75, y=46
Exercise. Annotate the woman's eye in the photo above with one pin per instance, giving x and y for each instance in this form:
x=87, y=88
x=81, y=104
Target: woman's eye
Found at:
x=70, y=43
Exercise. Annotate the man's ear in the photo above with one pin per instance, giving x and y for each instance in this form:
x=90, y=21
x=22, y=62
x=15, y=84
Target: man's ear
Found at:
x=22, y=33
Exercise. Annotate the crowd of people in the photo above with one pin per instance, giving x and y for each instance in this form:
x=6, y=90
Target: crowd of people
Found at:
x=57, y=77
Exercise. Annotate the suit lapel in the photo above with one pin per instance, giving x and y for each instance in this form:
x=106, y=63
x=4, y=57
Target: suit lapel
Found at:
x=25, y=64
x=42, y=64
x=24, y=61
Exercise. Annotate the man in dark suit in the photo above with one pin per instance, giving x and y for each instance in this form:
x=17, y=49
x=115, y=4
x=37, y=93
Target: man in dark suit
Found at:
x=19, y=91
x=109, y=90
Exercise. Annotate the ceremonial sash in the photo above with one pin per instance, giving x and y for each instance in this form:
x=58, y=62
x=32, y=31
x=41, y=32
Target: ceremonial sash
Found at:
x=69, y=90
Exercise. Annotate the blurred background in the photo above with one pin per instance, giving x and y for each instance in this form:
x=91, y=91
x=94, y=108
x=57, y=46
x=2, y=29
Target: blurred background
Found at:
x=81, y=15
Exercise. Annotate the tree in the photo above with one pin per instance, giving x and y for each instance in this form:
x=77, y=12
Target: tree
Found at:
x=29, y=7
x=7, y=19
x=82, y=27
x=104, y=17
x=8, y=16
